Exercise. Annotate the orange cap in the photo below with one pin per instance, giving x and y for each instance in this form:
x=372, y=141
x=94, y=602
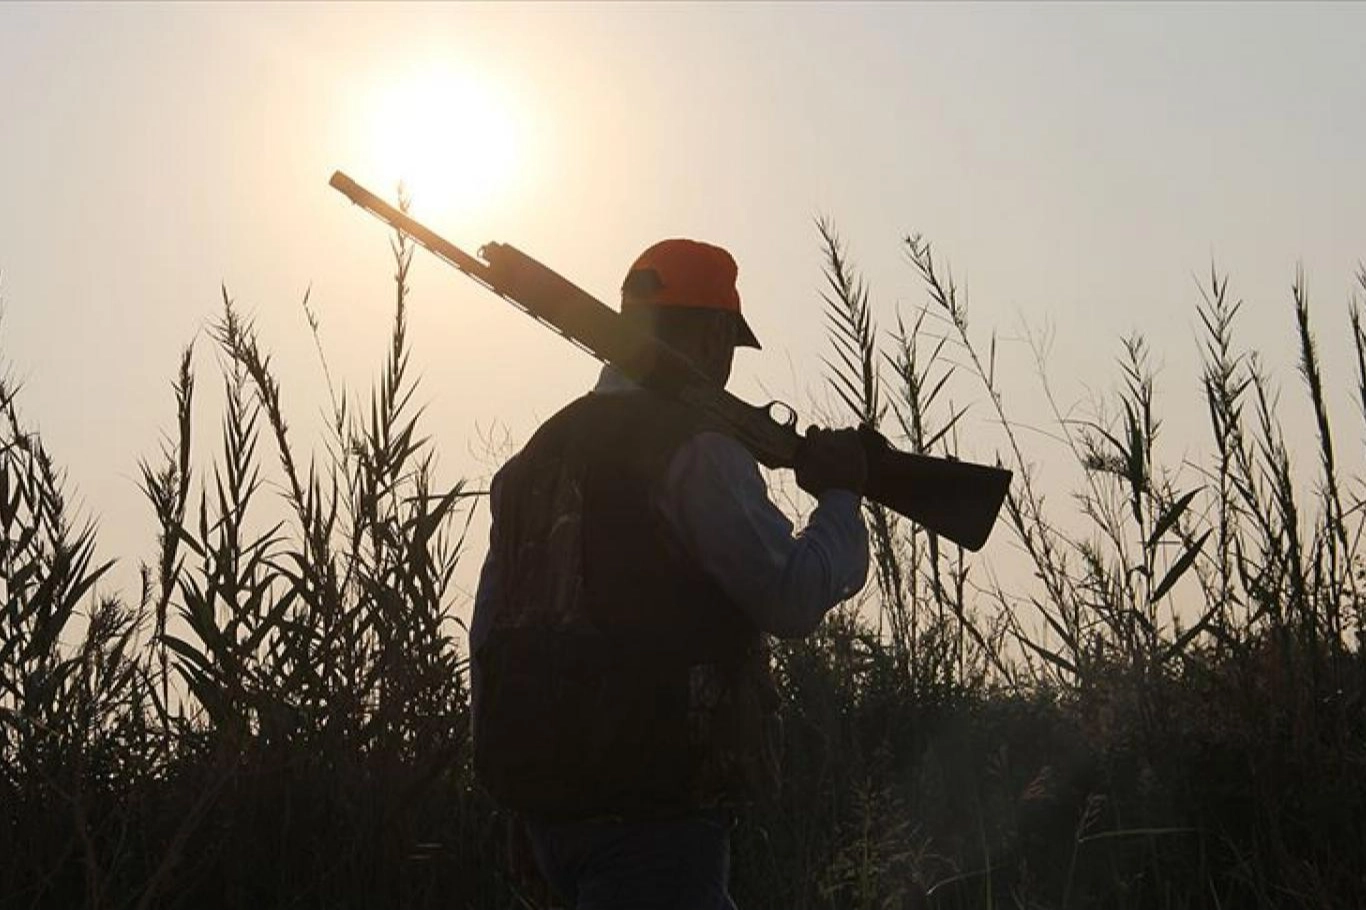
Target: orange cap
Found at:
x=686, y=273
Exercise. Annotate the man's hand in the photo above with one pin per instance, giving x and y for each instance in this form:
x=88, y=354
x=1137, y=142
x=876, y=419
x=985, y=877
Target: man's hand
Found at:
x=831, y=459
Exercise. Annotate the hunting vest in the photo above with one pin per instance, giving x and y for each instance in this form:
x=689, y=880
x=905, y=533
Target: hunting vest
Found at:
x=616, y=679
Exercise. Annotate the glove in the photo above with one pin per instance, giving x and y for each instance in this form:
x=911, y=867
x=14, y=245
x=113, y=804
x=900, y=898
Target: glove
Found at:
x=831, y=460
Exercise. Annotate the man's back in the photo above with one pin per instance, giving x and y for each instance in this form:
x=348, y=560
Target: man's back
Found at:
x=610, y=668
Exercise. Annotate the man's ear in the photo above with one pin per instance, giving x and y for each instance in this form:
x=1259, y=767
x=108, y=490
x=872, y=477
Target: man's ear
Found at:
x=640, y=319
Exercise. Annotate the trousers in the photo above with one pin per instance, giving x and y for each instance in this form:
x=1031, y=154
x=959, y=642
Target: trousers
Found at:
x=681, y=862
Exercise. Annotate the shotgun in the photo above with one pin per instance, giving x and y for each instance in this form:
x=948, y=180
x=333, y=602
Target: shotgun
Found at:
x=958, y=500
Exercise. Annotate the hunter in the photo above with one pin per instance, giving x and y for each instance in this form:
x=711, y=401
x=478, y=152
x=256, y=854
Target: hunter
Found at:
x=623, y=705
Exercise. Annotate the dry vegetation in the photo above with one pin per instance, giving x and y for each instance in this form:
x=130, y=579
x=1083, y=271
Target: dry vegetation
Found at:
x=280, y=716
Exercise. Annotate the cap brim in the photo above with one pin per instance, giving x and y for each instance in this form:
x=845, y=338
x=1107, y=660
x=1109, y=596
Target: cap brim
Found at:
x=744, y=336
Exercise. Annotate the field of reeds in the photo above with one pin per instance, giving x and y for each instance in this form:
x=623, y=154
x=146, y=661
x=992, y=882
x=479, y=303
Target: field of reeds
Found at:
x=1167, y=711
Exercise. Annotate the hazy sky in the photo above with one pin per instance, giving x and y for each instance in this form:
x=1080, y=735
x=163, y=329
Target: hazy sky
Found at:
x=1078, y=164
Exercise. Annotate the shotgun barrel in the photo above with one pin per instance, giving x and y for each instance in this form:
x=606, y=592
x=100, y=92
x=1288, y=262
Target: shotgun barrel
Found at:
x=958, y=500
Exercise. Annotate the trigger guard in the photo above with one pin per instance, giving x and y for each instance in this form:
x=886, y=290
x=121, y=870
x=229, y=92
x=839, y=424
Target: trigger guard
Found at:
x=781, y=413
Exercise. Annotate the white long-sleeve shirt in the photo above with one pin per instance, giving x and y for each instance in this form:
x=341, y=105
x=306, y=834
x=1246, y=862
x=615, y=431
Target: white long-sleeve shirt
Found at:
x=716, y=503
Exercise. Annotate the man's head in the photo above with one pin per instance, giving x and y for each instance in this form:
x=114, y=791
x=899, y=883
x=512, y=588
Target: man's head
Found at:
x=683, y=292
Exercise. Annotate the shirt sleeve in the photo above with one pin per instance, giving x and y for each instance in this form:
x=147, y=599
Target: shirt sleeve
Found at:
x=717, y=504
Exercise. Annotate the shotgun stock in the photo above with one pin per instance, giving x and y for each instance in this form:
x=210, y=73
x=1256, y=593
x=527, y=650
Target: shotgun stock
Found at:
x=958, y=500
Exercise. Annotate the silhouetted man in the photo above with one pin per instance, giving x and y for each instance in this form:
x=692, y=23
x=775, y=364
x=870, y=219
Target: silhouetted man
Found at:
x=622, y=697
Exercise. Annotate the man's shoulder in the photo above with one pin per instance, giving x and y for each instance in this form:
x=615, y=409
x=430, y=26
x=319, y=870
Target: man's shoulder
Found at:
x=712, y=443
x=715, y=458
x=636, y=419
x=635, y=424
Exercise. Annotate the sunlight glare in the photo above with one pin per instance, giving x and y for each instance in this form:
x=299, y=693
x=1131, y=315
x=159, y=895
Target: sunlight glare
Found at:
x=452, y=139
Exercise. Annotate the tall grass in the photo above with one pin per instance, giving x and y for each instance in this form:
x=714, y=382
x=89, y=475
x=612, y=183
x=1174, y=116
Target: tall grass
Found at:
x=1167, y=709
x=282, y=717
x=1170, y=713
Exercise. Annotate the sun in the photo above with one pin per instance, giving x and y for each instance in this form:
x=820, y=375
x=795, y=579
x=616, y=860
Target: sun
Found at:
x=452, y=139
